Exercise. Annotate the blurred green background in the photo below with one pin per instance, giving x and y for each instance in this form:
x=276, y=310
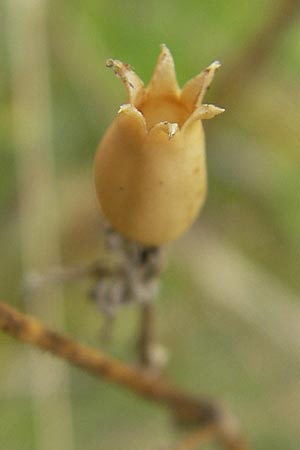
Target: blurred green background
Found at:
x=229, y=311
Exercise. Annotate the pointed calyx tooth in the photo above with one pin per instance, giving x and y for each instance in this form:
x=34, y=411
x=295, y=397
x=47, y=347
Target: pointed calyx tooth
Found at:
x=203, y=112
x=132, y=117
x=206, y=111
x=132, y=82
x=195, y=89
x=167, y=128
x=164, y=81
x=132, y=111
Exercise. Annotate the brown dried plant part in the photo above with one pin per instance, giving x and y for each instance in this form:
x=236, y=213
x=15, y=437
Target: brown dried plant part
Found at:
x=150, y=171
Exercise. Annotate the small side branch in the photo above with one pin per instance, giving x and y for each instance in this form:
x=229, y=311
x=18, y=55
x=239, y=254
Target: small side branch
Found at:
x=59, y=275
x=188, y=409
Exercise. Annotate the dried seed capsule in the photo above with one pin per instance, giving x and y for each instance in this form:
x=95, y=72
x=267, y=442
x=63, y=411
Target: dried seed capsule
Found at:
x=150, y=171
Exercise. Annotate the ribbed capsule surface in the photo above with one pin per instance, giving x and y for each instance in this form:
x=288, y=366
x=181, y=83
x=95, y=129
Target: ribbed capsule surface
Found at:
x=150, y=172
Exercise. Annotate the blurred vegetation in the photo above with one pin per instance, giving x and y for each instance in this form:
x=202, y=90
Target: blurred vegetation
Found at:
x=252, y=213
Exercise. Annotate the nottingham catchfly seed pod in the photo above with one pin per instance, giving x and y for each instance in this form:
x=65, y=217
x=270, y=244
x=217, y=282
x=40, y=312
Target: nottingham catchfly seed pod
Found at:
x=150, y=171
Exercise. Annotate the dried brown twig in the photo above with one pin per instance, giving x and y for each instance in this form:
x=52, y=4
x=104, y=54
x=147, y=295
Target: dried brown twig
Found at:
x=188, y=409
x=197, y=437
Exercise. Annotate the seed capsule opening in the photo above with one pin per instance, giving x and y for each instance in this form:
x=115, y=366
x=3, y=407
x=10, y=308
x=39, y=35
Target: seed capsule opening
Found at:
x=163, y=109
